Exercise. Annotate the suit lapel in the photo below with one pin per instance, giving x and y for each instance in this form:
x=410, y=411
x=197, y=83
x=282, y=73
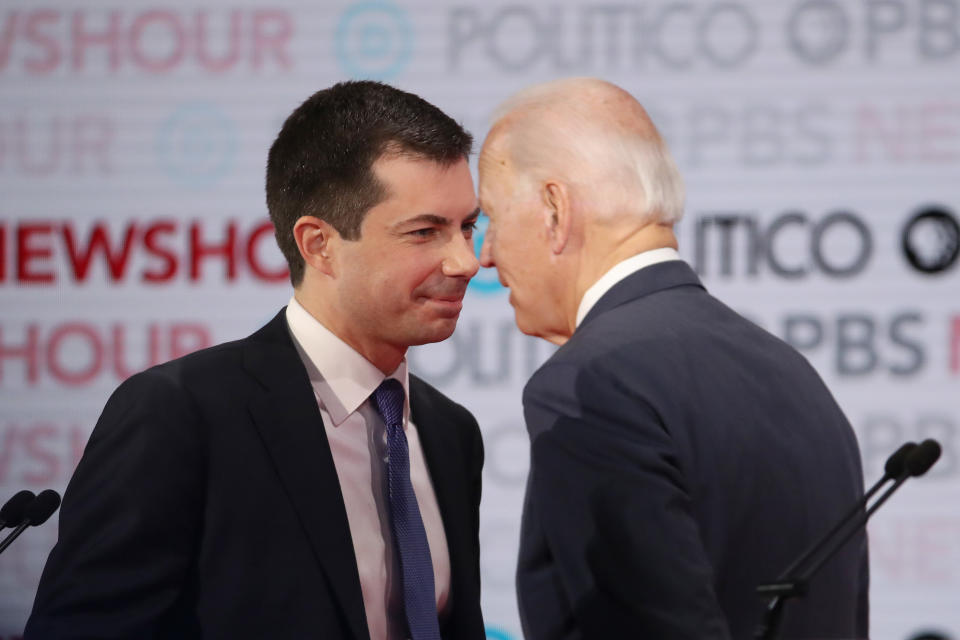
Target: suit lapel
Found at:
x=291, y=428
x=445, y=461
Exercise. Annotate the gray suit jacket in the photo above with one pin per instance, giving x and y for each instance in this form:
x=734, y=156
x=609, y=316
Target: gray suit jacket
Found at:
x=681, y=455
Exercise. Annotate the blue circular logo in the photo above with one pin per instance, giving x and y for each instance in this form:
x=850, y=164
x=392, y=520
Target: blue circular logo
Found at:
x=374, y=40
x=196, y=144
x=486, y=280
x=494, y=633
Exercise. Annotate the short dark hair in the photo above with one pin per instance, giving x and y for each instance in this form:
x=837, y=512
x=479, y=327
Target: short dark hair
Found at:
x=321, y=163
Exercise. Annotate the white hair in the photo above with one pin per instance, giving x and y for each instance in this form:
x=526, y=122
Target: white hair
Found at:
x=612, y=155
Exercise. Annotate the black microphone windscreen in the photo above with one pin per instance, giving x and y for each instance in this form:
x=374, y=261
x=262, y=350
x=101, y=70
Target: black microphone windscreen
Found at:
x=11, y=514
x=896, y=463
x=923, y=457
x=43, y=507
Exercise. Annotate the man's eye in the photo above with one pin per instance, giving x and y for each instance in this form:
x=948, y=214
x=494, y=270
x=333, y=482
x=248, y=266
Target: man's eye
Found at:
x=423, y=233
x=469, y=227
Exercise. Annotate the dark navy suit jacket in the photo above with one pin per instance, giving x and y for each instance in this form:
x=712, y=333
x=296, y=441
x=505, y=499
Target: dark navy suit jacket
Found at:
x=207, y=505
x=680, y=456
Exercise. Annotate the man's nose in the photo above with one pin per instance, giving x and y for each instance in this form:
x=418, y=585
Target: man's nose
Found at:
x=486, y=253
x=460, y=260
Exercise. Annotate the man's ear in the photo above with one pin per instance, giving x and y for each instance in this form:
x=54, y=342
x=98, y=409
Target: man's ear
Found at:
x=558, y=214
x=317, y=241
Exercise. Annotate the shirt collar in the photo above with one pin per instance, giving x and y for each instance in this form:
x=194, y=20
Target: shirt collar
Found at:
x=341, y=377
x=620, y=271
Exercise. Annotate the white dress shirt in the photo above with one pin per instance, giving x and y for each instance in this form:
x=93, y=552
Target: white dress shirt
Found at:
x=620, y=271
x=343, y=381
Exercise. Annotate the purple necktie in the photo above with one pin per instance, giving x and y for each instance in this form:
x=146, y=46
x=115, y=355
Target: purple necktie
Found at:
x=409, y=535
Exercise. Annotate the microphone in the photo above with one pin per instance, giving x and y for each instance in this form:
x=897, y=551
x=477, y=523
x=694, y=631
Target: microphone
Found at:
x=896, y=462
x=909, y=461
x=919, y=462
x=893, y=468
x=11, y=514
x=34, y=514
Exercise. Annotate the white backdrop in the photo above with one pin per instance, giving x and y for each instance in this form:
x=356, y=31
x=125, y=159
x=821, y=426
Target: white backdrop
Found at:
x=820, y=142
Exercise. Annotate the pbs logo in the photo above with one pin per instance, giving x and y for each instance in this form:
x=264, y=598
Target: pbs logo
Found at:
x=374, y=40
x=931, y=240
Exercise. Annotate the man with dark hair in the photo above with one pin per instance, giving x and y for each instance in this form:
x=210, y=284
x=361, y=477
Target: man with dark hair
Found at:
x=300, y=483
x=356, y=123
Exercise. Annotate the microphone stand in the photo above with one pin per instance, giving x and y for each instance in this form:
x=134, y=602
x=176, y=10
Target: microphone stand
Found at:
x=782, y=590
x=918, y=459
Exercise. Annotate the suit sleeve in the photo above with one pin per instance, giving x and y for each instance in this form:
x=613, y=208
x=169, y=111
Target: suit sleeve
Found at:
x=130, y=519
x=616, y=535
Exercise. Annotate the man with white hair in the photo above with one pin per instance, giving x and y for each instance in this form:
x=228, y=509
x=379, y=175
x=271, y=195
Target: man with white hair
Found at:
x=680, y=455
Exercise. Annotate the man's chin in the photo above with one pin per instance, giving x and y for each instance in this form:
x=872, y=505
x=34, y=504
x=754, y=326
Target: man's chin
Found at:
x=448, y=309
x=527, y=326
x=436, y=330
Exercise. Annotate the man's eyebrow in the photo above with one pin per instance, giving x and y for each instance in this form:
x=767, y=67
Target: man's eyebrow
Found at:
x=424, y=218
x=432, y=218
